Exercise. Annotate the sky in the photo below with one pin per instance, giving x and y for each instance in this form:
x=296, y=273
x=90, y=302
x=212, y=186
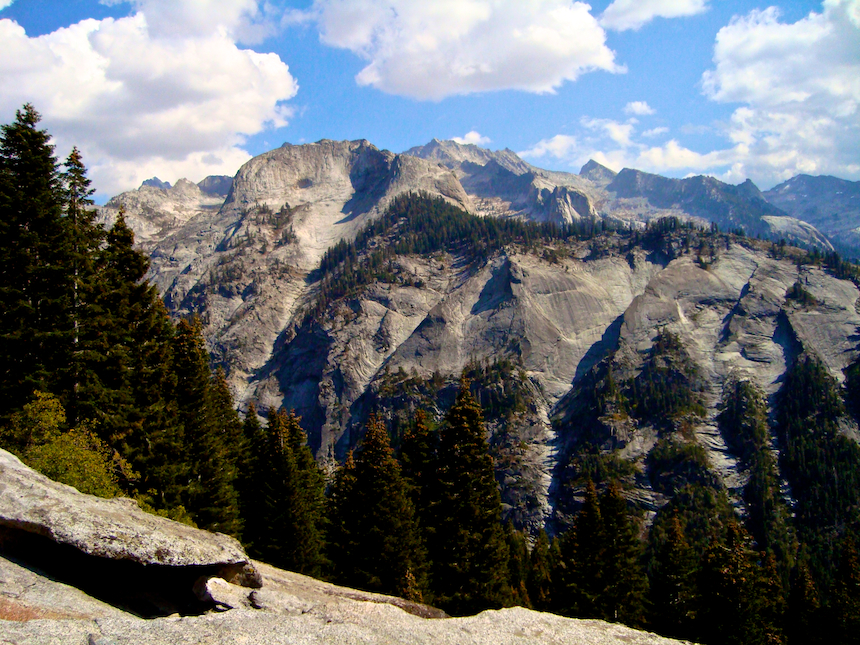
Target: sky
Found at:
x=736, y=89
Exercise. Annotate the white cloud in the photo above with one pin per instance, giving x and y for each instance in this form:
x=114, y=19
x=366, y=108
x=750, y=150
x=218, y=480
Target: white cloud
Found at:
x=5, y=3
x=800, y=86
x=655, y=132
x=561, y=146
x=138, y=98
x=617, y=132
x=430, y=50
x=639, y=108
x=622, y=15
x=242, y=20
x=473, y=137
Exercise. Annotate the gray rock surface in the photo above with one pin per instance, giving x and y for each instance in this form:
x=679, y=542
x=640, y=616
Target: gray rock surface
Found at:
x=292, y=609
x=287, y=608
x=248, y=271
x=155, y=212
x=830, y=204
x=106, y=528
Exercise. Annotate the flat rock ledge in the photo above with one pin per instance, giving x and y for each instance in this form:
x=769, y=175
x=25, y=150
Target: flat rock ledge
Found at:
x=291, y=609
x=108, y=528
x=80, y=570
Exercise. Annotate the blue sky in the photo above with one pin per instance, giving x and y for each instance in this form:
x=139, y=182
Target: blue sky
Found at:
x=173, y=88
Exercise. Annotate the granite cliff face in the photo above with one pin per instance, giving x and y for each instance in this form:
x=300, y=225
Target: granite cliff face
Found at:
x=539, y=319
x=157, y=209
x=830, y=204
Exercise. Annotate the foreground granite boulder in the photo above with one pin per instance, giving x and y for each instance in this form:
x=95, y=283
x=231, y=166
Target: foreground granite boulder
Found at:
x=112, y=549
x=79, y=570
x=108, y=528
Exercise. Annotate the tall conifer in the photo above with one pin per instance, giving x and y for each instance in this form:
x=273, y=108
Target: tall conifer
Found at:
x=35, y=285
x=467, y=546
x=383, y=551
x=624, y=579
x=210, y=492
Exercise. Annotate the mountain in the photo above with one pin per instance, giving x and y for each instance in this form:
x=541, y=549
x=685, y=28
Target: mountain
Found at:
x=308, y=308
x=710, y=200
x=503, y=185
x=597, y=173
x=829, y=204
x=155, y=210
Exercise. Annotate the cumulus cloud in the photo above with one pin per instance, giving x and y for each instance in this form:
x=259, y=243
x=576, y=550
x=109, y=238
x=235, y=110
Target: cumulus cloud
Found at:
x=430, y=50
x=473, y=137
x=622, y=15
x=617, y=144
x=242, y=20
x=5, y=3
x=617, y=132
x=639, y=108
x=139, y=97
x=800, y=86
x=561, y=146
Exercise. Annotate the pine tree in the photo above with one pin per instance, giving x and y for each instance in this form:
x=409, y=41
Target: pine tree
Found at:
x=210, y=495
x=672, y=584
x=418, y=462
x=384, y=552
x=624, y=580
x=728, y=582
x=84, y=239
x=251, y=467
x=35, y=285
x=467, y=546
x=539, y=581
x=803, y=617
x=344, y=519
x=845, y=604
x=226, y=419
x=518, y=565
x=580, y=570
x=282, y=495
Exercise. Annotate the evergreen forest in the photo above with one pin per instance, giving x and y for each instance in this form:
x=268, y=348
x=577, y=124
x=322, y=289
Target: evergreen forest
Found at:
x=101, y=389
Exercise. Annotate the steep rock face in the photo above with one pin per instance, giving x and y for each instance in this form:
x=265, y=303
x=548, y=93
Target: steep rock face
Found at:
x=244, y=269
x=455, y=155
x=710, y=200
x=216, y=185
x=734, y=320
x=596, y=173
x=502, y=184
x=553, y=312
x=155, y=212
x=830, y=204
x=557, y=320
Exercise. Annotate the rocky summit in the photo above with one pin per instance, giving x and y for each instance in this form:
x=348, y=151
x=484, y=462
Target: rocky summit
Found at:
x=80, y=570
x=542, y=316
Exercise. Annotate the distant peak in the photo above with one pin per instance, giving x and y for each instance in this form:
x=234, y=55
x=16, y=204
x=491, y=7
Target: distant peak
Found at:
x=596, y=172
x=155, y=182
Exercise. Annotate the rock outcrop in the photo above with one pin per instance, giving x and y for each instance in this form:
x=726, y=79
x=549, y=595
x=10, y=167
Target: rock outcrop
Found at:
x=41, y=602
x=155, y=211
x=829, y=204
x=145, y=563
